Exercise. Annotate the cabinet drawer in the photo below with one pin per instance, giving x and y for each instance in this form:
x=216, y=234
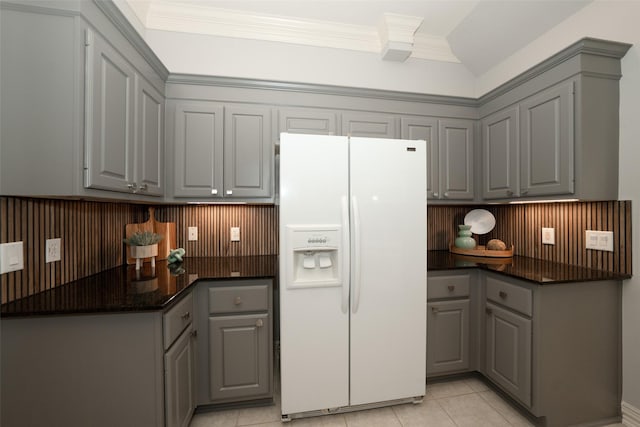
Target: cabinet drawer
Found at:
x=513, y=296
x=177, y=319
x=238, y=299
x=448, y=286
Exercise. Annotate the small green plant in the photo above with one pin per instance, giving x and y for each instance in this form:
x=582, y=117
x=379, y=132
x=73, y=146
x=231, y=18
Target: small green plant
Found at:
x=143, y=238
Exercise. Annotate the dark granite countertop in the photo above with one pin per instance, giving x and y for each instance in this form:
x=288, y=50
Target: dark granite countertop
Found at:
x=121, y=289
x=533, y=270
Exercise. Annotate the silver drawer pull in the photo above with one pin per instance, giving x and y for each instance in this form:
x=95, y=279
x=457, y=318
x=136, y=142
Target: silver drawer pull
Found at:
x=229, y=192
x=186, y=316
x=214, y=191
x=434, y=309
x=144, y=187
x=502, y=294
x=237, y=301
x=259, y=323
x=451, y=288
x=488, y=311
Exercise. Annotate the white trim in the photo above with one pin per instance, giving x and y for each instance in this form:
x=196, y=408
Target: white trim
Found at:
x=630, y=415
x=197, y=18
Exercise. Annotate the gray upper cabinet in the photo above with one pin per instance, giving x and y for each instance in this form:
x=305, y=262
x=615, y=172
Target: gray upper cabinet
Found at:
x=198, y=150
x=222, y=151
x=425, y=128
x=308, y=121
x=124, y=139
x=546, y=140
x=455, y=141
x=109, y=110
x=248, y=152
x=373, y=125
x=150, y=139
x=500, y=154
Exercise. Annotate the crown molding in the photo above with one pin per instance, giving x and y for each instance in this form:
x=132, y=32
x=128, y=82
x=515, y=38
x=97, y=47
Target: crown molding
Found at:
x=433, y=48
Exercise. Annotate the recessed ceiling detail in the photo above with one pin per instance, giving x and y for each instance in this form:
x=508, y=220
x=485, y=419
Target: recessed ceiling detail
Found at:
x=395, y=37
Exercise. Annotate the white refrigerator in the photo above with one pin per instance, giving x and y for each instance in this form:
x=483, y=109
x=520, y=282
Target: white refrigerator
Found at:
x=352, y=273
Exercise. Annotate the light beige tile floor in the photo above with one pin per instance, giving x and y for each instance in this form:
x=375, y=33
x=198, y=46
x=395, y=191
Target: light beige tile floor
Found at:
x=458, y=403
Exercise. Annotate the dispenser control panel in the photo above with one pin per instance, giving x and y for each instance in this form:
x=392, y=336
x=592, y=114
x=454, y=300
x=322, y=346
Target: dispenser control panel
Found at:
x=314, y=255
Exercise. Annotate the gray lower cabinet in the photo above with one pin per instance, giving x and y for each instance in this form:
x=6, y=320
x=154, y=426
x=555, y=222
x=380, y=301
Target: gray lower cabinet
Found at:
x=180, y=363
x=221, y=151
x=235, y=362
x=102, y=370
x=508, y=345
x=555, y=348
x=372, y=125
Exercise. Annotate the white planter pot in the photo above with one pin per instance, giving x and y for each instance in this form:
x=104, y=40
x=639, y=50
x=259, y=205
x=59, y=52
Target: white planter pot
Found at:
x=142, y=252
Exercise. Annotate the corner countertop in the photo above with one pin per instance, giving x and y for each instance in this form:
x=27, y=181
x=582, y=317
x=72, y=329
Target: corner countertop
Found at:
x=534, y=270
x=122, y=289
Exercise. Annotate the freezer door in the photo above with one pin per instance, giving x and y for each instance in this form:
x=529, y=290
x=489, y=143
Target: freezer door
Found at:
x=388, y=269
x=314, y=320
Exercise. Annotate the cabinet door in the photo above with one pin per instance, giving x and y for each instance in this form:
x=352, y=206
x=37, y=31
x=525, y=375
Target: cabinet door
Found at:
x=455, y=140
x=508, y=346
x=198, y=149
x=546, y=140
x=304, y=120
x=427, y=129
x=373, y=125
x=180, y=391
x=149, y=139
x=248, y=152
x=447, y=336
x=240, y=356
x=109, y=139
x=500, y=154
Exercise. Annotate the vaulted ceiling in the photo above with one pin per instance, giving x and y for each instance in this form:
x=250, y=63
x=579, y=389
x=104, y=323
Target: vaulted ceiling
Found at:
x=477, y=33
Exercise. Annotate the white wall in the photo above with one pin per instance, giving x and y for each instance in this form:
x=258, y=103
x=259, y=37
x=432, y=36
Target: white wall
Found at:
x=221, y=56
x=613, y=20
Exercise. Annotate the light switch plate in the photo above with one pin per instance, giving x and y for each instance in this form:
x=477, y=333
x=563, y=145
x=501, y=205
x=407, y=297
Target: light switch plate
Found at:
x=599, y=240
x=548, y=236
x=235, y=234
x=193, y=234
x=52, y=250
x=11, y=257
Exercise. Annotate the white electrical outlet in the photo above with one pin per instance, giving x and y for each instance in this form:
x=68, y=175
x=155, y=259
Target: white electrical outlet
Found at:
x=11, y=257
x=193, y=233
x=599, y=240
x=52, y=250
x=548, y=236
x=235, y=234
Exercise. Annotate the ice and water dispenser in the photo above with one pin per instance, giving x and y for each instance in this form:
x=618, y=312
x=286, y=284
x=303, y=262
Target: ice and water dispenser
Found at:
x=314, y=253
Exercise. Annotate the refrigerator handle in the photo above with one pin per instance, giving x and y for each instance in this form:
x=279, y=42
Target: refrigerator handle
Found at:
x=356, y=254
x=346, y=273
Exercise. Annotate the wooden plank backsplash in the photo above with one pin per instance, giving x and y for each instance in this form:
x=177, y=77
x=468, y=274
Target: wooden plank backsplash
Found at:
x=92, y=234
x=521, y=224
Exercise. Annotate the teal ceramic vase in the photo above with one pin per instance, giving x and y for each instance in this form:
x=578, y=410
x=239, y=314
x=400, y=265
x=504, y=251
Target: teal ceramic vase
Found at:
x=464, y=239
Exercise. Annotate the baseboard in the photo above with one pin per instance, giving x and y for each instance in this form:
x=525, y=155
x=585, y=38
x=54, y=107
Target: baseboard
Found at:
x=630, y=415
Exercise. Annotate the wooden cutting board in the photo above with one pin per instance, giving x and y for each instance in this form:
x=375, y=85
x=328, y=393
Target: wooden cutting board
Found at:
x=166, y=229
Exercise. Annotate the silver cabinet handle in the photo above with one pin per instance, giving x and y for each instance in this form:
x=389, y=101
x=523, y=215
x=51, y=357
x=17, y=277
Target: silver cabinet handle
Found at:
x=186, y=316
x=524, y=192
x=214, y=191
x=435, y=309
x=144, y=187
x=509, y=193
x=194, y=333
x=446, y=195
x=259, y=323
x=237, y=301
x=502, y=294
x=132, y=186
x=451, y=288
x=435, y=195
x=488, y=311
x=229, y=192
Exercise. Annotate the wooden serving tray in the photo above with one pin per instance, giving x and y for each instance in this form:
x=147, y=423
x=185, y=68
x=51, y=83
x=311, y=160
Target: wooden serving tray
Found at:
x=482, y=251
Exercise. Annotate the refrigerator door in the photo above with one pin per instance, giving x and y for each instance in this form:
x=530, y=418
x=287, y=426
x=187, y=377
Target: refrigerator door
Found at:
x=388, y=270
x=314, y=320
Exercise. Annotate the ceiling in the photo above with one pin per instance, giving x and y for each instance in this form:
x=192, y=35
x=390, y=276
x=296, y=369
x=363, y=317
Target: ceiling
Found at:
x=477, y=33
